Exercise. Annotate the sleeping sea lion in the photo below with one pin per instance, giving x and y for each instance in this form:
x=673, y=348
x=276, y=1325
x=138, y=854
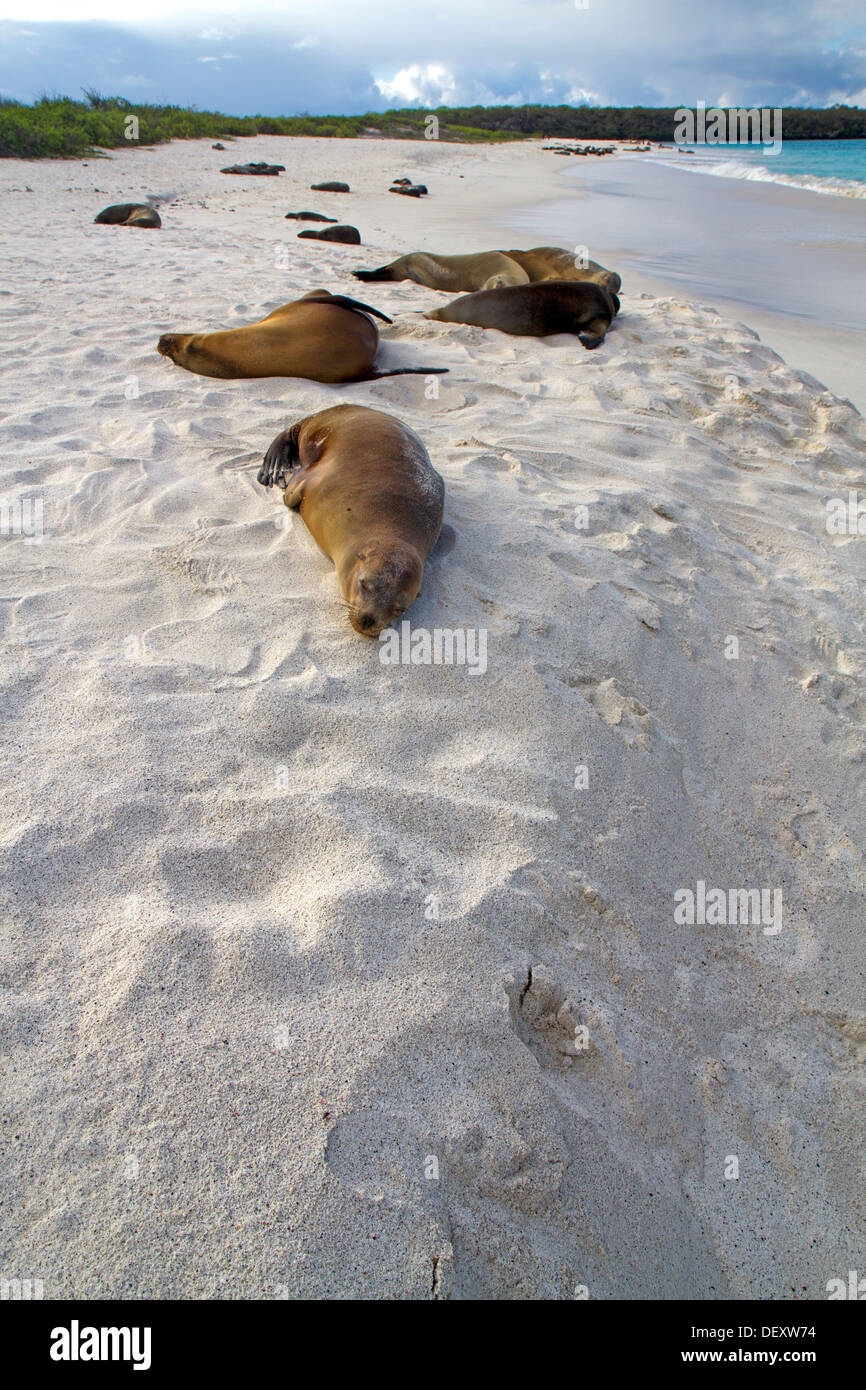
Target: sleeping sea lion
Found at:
x=552, y=306
x=371, y=499
x=324, y=337
x=489, y=270
x=130, y=215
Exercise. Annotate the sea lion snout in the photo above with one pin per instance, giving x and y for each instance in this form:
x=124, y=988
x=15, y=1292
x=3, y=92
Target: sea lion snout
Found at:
x=381, y=587
x=167, y=344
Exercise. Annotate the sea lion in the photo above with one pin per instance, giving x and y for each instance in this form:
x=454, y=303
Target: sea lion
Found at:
x=130, y=215
x=349, y=235
x=555, y=263
x=410, y=190
x=266, y=169
x=323, y=337
x=333, y=187
x=490, y=270
x=370, y=498
x=553, y=306
x=309, y=217
x=483, y=270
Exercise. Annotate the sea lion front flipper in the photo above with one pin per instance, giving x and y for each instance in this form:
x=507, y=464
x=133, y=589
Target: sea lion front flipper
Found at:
x=592, y=336
x=281, y=459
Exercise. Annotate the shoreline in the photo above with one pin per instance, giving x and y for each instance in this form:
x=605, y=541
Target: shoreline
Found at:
x=809, y=335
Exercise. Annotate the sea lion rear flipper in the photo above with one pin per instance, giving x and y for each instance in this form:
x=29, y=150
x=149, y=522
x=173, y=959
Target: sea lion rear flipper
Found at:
x=405, y=371
x=281, y=459
x=381, y=273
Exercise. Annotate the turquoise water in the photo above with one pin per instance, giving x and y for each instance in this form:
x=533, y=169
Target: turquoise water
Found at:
x=824, y=166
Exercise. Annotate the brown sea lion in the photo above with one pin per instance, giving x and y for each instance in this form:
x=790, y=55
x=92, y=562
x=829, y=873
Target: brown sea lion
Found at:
x=555, y=263
x=489, y=270
x=323, y=337
x=129, y=215
x=371, y=499
x=553, y=306
x=483, y=270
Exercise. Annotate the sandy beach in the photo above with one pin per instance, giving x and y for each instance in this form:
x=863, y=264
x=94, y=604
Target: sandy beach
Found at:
x=324, y=977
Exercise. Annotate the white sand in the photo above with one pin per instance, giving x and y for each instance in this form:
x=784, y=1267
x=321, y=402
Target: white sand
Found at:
x=233, y=1042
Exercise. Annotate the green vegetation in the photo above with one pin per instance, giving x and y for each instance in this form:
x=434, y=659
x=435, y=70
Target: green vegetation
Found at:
x=57, y=126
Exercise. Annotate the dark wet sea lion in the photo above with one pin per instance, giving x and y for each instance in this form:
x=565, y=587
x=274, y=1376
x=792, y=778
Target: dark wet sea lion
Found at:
x=309, y=217
x=266, y=169
x=552, y=306
x=349, y=235
x=332, y=187
x=370, y=497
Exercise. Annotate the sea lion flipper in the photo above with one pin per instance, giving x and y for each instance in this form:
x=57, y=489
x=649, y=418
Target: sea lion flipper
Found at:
x=281, y=459
x=380, y=274
x=406, y=371
x=325, y=297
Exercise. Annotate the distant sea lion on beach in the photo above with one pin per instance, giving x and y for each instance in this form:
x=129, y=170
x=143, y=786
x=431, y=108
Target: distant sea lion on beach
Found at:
x=323, y=337
x=349, y=235
x=330, y=187
x=553, y=306
x=129, y=215
x=309, y=217
x=266, y=169
x=371, y=499
x=489, y=270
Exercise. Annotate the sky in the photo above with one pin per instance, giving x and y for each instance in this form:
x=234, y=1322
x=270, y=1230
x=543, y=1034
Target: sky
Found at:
x=351, y=56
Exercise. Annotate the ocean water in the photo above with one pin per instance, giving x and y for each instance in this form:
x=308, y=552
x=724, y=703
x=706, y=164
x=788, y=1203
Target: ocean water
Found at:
x=836, y=167
x=781, y=258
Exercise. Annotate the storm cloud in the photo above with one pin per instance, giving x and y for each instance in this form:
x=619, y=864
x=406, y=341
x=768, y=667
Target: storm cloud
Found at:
x=345, y=58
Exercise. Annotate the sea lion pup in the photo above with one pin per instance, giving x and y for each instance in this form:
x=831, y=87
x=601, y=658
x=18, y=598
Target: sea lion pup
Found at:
x=130, y=215
x=323, y=337
x=490, y=270
x=371, y=499
x=553, y=306
x=484, y=270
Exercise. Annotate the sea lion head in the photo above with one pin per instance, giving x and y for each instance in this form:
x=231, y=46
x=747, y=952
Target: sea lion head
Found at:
x=184, y=351
x=172, y=344
x=383, y=581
